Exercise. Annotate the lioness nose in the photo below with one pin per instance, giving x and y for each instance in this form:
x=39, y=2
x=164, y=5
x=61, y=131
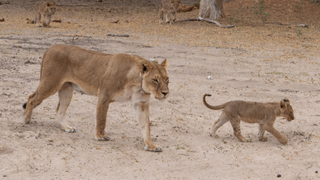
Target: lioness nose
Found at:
x=164, y=93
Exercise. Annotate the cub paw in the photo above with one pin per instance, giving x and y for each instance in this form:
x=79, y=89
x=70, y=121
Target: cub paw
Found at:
x=70, y=129
x=153, y=149
x=263, y=139
x=214, y=135
x=105, y=138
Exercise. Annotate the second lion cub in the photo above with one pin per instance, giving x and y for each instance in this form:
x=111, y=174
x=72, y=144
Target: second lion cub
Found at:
x=264, y=114
x=46, y=10
x=169, y=8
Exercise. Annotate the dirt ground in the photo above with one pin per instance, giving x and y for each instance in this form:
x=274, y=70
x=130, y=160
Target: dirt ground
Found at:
x=251, y=61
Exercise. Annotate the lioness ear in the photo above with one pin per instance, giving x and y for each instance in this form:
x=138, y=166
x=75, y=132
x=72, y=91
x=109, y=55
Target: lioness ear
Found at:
x=165, y=64
x=145, y=66
x=283, y=104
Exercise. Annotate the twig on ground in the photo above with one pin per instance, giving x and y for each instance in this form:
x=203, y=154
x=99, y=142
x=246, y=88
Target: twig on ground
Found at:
x=118, y=35
x=207, y=20
x=289, y=24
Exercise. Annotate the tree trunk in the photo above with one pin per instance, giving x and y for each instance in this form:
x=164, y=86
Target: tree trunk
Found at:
x=211, y=9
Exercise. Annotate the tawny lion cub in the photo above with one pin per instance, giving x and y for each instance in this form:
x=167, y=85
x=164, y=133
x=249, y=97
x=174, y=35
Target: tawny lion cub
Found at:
x=264, y=114
x=169, y=8
x=46, y=10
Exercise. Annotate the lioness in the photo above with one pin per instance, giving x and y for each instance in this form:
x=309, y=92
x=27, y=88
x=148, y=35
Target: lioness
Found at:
x=113, y=78
x=169, y=8
x=46, y=10
x=264, y=114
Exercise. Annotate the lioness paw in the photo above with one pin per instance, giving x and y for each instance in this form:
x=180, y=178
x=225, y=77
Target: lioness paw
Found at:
x=103, y=138
x=153, y=149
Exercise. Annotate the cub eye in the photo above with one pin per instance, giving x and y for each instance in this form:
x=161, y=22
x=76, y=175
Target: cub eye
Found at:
x=155, y=80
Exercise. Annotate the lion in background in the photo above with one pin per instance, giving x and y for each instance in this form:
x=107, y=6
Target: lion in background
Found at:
x=264, y=114
x=169, y=8
x=112, y=78
x=44, y=10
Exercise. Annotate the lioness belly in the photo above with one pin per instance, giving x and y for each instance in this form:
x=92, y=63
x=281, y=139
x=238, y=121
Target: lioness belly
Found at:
x=81, y=90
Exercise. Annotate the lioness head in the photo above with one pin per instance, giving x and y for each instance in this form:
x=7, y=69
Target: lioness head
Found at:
x=51, y=7
x=175, y=4
x=155, y=78
x=286, y=109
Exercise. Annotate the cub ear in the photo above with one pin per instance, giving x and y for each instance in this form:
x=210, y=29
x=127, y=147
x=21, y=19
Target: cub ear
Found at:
x=283, y=104
x=179, y=1
x=165, y=64
x=145, y=66
x=286, y=100
x=55, y=3
x=172, y=1
x=48, y=3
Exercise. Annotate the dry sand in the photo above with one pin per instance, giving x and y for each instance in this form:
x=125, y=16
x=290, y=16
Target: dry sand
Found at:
x=249, y=62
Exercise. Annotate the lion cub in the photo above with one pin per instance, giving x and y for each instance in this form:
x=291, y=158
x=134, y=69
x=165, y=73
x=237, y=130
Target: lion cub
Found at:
x=169, y=8
x=45, y=9
x=264, y=114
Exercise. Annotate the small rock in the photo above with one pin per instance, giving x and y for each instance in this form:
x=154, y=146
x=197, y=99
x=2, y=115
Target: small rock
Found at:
x=316, y=172
x=4, y=175
x=279, y=175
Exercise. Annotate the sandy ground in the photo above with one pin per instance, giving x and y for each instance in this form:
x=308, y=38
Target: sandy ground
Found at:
x=271, y=63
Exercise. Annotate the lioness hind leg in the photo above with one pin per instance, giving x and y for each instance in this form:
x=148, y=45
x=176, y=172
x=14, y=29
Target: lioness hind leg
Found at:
x=235, y=122
x=65, y=96
x=281, y=138
x=261, y=133
x=220, y=122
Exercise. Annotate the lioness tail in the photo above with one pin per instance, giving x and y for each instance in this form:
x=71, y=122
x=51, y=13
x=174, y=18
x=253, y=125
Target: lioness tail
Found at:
x=212, y=107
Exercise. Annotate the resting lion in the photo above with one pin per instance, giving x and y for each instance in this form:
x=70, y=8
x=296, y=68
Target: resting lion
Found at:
x=113, y=78
x=46, y=10
x=264, y=114
x=169, y=8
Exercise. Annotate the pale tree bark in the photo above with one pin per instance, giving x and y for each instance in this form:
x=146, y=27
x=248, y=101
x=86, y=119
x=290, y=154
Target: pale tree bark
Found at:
x=211, y=9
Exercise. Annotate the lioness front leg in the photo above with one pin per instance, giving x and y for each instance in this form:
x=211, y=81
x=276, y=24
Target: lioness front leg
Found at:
x=142, y=114
x=102, y=108
x=281, y=138
x=261, y=133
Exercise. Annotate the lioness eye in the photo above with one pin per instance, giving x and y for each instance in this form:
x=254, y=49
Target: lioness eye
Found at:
x=155, y=80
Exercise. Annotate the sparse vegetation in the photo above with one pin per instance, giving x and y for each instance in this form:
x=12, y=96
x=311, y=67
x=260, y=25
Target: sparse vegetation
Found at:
x=259, y=9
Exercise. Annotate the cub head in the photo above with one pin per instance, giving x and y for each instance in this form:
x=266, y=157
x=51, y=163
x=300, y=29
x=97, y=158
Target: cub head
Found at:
x=51, y=7
x=175, y=4
x=286, y=109
x=155, y=78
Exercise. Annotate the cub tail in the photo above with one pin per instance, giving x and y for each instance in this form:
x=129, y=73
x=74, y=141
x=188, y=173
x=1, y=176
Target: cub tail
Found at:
x=219, y=107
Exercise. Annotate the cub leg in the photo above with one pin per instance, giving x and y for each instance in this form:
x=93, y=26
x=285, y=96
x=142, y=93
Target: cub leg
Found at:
x=142, y=114
x=102, y=109
x=235, y=122
x=161, y=16
x=167, y=18
x=281, y=138
x=220, y=122
x=48, y=20
x=173, y=15
x=65, y=96
x=38, y=20
x=261, y=133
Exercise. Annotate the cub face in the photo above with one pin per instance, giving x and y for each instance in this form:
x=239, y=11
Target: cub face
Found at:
x=286, y=109
x=51, y=7
x=155, y=79
x=175, y=4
